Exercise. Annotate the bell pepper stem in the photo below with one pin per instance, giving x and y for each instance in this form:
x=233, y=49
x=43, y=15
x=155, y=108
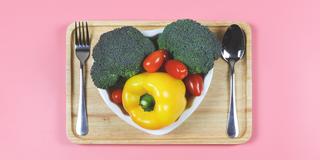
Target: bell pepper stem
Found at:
x=147, y=102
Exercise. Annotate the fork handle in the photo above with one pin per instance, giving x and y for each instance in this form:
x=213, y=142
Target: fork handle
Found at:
x=82, y=119
x=232, y=126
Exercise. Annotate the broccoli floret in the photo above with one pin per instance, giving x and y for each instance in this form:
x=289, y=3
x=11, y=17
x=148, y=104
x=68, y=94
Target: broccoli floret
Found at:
x=118, y=55
x=193, y=44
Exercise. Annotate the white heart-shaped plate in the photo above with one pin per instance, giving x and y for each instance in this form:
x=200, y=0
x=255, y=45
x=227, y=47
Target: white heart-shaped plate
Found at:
x=194, y=105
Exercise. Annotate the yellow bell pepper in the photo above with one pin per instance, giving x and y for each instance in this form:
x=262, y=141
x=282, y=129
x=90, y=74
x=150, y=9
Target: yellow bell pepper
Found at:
x=168, y=94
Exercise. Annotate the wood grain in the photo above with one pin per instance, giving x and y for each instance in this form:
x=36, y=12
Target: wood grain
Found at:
x=207, y=125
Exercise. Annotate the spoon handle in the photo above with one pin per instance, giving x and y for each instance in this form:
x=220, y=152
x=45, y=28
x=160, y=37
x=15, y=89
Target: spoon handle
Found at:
x=233, y=126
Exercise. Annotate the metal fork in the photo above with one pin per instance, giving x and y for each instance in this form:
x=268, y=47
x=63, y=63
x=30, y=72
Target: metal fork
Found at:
x=82, y=50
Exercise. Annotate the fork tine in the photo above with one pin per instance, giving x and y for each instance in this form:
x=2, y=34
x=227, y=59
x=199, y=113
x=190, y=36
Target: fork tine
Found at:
x=87, y=33
x=80, y=34
x=83, y=34
x=76, y=34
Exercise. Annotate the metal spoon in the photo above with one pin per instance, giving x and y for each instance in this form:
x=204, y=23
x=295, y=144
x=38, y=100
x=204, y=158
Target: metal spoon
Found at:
x=233, y=46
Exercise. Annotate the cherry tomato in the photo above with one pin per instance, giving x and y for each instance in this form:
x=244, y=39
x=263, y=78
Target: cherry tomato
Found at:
x=165, y=55
x=194, y=84
x=116, y=96
x=176, y=69
x=154, y=60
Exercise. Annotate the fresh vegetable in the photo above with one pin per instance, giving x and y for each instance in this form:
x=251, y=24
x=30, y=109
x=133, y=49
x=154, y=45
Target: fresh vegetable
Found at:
x=191, y=43
x=166, y=55
x=176, y=69
x=118, y=56
x=154, y=61
x=116, y=96
x=168, y=94
x=194, y=84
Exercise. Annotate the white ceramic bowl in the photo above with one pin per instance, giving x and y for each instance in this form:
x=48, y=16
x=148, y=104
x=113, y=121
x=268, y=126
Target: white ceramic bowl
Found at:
x=194, y=105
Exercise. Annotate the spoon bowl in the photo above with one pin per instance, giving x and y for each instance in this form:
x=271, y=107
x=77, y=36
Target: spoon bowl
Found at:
x=233, y=43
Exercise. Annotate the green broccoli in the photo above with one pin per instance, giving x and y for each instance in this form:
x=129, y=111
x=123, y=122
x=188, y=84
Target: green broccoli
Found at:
x=193, y=44
x=118, y=56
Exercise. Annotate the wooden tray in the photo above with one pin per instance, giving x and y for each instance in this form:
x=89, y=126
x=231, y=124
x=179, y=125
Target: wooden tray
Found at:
x=207, y=125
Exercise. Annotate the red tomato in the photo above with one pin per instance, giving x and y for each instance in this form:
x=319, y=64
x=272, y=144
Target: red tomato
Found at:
x=165, y=54
x=154, y=60
x=194, y=84
x=176, y=69
x=116, y=96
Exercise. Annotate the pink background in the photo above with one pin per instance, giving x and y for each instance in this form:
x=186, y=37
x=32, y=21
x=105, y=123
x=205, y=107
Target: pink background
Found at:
x=285, y=77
